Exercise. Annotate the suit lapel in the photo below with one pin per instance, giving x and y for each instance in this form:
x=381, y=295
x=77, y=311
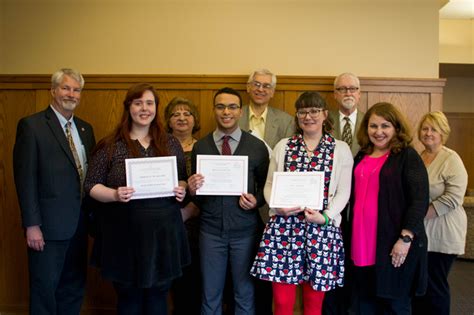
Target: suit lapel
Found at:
x=271, y=126
x=337, y=125
x=58, y=133
x=244, y=119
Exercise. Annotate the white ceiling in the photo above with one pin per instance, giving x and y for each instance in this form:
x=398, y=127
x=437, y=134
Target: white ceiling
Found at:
x=457, y=9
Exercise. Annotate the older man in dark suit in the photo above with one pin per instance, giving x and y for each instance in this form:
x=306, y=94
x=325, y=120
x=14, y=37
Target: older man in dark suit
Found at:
x=50, y=161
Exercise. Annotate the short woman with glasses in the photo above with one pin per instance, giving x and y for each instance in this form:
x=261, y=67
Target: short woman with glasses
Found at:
x=301, y=245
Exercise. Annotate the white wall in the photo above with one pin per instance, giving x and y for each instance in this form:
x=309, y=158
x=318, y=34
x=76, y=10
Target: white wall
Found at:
x=382, y=38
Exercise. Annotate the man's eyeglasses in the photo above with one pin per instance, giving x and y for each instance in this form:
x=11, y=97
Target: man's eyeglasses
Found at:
x=345, y=89
x=222, y=107
x=313, y=113
x=258, y=85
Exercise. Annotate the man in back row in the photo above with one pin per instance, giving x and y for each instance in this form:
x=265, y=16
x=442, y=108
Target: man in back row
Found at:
x=265, y=122
x=347, y=121
x=271, y=125
x=347, y=118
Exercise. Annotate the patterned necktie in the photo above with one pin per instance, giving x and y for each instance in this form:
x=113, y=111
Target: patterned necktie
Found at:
x=226, y=146
x=347, y=132
x=74, y=152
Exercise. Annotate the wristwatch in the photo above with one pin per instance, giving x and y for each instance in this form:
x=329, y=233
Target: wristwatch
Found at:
x=406, y=238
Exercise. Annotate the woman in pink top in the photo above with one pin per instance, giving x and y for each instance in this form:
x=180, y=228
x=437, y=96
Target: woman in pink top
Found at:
x=389, y=200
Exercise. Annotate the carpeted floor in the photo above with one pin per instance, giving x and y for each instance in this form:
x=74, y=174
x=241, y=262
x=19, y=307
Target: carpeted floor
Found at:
x=461, y=281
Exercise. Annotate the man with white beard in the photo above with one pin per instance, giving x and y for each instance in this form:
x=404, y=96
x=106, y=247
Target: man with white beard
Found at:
x=346, y=124
x=49, y=163
x=347, y=119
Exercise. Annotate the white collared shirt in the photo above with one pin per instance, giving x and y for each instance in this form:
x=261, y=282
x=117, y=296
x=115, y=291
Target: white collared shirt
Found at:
x=81, y=151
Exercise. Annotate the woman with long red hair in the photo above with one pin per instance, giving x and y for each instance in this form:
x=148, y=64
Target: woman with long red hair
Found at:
x=141, y=244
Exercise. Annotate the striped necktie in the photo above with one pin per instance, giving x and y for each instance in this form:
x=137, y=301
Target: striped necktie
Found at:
x=347, y=132
x=72, y=146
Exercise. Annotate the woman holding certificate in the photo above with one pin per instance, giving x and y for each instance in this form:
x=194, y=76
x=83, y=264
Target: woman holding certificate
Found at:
x=141, y=244
x=302, y=245
x=388, y=203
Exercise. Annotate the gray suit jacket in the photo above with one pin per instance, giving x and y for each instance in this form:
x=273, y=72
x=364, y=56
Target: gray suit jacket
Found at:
x=279, y=125
x=334, y=115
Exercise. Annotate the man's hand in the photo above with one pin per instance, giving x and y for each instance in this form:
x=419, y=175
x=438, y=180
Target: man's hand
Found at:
x=34, y=238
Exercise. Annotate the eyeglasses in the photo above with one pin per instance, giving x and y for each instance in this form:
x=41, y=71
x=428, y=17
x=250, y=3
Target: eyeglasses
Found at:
x=230, y=107
x=313, y=113
x=178, y=114
x=258, y=85
x=345, y=89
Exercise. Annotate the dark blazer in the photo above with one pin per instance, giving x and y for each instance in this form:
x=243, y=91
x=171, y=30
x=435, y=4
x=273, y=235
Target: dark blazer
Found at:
x=279, y=125
x=334, y=115
x=222, y=214
x=403, y=200
x=46, y=178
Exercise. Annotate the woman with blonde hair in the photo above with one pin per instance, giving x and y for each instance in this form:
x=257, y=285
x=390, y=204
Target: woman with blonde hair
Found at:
x=446, y=221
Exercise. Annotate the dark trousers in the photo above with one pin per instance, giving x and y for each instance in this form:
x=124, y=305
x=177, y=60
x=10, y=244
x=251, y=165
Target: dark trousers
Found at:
x=437, y=299
x=186, y=290
x=364, y=300
x=58, y=275
x=263, y=289
x=216, y=251
x=141, y=301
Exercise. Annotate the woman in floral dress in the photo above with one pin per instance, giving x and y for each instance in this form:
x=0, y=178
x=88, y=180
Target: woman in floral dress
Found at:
x=300, y=245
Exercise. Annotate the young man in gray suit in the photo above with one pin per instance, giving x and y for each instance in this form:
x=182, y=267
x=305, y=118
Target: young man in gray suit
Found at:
x=265, y=122
x=347, y=119
x=50, y=161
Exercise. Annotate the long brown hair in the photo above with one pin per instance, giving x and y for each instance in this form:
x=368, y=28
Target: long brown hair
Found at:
x=159, y=138
x=390, y=113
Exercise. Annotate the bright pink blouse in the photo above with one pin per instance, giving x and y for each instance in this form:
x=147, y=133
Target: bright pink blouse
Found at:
x=364, y=224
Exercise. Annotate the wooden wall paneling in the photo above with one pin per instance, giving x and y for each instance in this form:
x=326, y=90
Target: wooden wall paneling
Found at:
x=14, y=104
x=102, y=109
x=42, y=99
x=101, y=105
x=206, y=113
x=436, y=102
x=460, y=140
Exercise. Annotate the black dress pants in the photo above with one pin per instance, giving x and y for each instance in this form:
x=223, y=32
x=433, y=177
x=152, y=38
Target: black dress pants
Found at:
x=437, y=299
x=58, y=275
x=141, y=301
